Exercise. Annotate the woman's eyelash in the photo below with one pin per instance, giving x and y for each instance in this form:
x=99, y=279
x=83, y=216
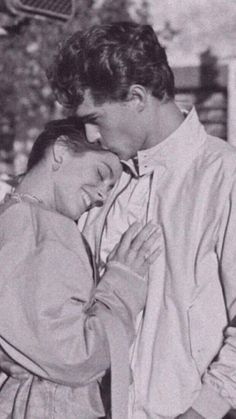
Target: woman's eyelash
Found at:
x=100, y=175
x=92, y=120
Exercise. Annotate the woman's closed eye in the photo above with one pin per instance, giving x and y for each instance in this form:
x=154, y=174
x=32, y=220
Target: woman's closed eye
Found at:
x=104, y=172
x=101, y=175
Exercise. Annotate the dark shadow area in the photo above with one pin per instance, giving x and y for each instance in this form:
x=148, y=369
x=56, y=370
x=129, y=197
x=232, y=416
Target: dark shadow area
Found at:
x=208, y=77
x=208, y=69
x=231, y=415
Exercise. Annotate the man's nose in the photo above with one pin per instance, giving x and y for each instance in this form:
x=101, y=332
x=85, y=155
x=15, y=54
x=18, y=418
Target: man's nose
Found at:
x=92, y=134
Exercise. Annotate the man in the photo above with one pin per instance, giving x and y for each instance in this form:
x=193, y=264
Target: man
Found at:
x=116, y=78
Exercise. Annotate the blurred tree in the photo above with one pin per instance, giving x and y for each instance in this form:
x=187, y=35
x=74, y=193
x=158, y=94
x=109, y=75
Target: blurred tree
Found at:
x=26, y=99
x=85, y=15
x=142, y=12
x=112, y=11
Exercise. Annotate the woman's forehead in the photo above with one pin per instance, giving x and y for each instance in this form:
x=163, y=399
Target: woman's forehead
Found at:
x=94, y=157
x=109, y=159
x=105, y=155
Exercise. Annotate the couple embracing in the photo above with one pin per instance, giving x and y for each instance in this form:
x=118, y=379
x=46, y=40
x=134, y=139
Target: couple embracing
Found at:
x=146, y=286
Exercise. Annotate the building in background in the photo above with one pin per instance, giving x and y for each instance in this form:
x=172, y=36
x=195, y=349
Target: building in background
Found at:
x=200, y=38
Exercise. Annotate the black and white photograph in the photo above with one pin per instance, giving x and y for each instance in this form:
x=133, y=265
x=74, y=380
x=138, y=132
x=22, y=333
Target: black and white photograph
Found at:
x=118, y=209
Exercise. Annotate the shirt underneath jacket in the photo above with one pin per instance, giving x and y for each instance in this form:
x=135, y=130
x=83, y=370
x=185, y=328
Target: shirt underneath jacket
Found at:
x=185, y=349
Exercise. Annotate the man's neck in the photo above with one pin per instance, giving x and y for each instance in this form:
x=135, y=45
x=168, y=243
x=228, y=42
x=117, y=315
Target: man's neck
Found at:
x=165, y=118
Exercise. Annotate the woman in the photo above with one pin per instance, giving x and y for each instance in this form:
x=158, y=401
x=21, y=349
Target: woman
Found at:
x=57, y=318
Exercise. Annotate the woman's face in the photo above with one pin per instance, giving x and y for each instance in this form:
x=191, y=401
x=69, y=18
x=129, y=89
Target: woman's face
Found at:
x=84, y=180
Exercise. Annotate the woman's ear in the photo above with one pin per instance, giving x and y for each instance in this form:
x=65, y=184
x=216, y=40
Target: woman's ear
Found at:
x=138, y=94
x=59, y=152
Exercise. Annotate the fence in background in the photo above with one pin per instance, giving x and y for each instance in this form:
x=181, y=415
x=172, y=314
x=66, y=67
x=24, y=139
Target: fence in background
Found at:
x=212, y=90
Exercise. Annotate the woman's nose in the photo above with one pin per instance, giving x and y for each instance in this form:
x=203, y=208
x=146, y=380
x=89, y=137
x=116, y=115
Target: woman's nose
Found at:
x=103, y=193
x=92, y=134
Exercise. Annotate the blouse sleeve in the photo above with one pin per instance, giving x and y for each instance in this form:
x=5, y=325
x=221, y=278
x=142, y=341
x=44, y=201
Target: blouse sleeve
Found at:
x=52, y=320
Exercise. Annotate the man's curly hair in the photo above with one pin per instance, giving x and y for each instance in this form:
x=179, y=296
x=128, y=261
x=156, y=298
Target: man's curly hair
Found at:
x=108, y=59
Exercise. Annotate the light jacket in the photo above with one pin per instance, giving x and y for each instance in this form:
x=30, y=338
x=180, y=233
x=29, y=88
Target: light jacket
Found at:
x=185, y=350
x=56, y=323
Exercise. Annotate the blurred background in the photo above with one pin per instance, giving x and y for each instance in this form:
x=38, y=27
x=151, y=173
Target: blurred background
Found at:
x=199, y=36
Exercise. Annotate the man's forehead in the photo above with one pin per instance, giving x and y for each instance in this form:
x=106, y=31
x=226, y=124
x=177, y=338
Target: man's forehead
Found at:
x=85, y=115
x=87, y=107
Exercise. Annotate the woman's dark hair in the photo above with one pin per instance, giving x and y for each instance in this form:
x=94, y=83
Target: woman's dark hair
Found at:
x=108, y=59
x=71, y=131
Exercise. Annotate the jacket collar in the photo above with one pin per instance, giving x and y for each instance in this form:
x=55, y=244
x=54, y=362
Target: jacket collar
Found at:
x=177, y=150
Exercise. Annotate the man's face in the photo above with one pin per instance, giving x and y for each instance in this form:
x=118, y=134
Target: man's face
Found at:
x=116, y=126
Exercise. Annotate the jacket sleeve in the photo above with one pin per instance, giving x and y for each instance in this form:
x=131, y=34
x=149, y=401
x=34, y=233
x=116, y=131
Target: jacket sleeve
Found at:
x=50, y=321
x=218, y=394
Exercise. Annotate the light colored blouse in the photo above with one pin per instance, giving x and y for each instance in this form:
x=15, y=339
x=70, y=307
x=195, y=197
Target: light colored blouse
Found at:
x=56, y=323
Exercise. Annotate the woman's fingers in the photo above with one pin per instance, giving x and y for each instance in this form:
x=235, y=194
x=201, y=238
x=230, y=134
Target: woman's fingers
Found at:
x=128, y=236
x=136, y=236
x=150, y=242
x=141, y=239
x=113, y=252
x=138, y=247
x=150, y=250
x=149, y=259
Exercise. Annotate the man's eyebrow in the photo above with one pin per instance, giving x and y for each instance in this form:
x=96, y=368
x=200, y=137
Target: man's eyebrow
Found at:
x=88, y=117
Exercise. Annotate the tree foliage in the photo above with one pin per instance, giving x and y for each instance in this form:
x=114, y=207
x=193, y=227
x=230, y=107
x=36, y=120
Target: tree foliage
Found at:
x=27, y=102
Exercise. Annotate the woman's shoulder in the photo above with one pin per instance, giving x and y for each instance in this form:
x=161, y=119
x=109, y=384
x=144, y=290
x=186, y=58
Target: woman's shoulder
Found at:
x=22, y=216
x=14, y=215
x=42, y=224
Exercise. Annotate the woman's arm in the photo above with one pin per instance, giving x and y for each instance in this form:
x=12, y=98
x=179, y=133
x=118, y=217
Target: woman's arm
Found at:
x=60, y=333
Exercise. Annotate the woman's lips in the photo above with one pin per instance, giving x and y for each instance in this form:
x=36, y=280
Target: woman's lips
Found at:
x=89, y=202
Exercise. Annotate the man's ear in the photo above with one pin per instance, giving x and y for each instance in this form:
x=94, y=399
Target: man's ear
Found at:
x=139, y=95
x=59, y=153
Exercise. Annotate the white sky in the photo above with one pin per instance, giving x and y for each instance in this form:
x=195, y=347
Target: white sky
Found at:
x=202, y=24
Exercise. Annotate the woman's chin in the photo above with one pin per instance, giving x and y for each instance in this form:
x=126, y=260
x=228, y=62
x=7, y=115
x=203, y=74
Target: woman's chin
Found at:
x=94, y=205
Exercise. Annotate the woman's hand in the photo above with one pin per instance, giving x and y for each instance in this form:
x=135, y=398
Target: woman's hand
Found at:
x=138, y=247
x=9, y=367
